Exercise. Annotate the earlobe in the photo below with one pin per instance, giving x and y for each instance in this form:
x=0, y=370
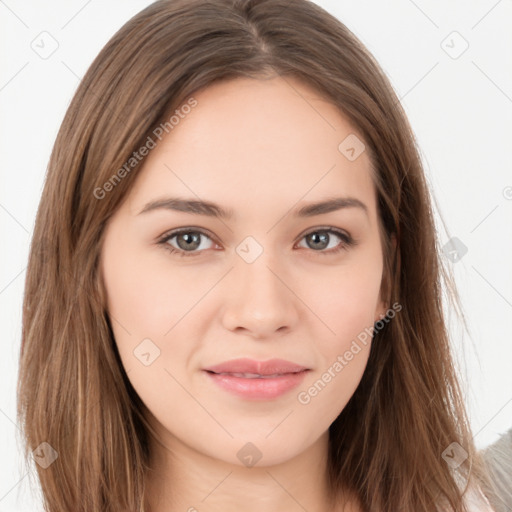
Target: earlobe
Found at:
x=384, y=302
x=380, y=315
x=101, y=293
x=383, y=305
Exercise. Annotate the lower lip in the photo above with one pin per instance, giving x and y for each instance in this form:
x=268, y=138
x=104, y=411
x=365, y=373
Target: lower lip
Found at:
x=258, y=389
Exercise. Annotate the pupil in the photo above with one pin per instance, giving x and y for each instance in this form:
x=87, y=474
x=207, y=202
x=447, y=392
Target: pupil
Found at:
x=319, y=238
x=189, y=241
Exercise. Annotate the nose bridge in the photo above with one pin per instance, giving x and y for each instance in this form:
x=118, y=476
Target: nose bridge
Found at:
x=259, y=298
x=260, y=280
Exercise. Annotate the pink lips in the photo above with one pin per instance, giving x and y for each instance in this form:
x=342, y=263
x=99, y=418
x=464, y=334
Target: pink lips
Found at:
x=257, y=379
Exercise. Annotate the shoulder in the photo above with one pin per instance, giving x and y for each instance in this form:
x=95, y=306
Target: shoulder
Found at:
x=476, y=500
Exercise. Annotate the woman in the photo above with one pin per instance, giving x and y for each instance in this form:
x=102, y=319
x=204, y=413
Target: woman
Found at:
x=187, y=344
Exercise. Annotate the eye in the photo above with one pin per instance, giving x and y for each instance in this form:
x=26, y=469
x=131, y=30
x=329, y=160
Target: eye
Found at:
x=321, y=239
x=189, y=241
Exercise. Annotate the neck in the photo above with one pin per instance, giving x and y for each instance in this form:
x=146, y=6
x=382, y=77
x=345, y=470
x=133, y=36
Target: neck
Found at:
x=182, y=479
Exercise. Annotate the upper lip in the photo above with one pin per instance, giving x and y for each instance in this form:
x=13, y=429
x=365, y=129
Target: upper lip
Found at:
x=270, y=367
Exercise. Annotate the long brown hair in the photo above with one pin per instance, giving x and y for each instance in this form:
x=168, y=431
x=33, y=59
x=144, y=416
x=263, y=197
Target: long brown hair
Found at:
x=387, y=444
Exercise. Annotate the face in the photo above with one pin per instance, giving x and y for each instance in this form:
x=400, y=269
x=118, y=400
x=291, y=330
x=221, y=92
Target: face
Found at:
x=189, y=288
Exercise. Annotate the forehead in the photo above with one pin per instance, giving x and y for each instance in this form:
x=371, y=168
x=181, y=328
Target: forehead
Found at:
x=248, y=143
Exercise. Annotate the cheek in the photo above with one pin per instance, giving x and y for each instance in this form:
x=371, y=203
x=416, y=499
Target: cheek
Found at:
x=146, y=303
x=147, y=296
x=327, y=393
x=343, y=349
x=346, y=300
x=346, y=304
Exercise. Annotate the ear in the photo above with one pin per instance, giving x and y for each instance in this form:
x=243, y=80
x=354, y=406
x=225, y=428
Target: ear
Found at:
x=385, y=287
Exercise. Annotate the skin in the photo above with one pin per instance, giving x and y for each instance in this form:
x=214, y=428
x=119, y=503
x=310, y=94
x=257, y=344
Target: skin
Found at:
x=260, y=148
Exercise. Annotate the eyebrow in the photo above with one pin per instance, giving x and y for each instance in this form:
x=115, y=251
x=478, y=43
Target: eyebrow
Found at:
x=210, y=209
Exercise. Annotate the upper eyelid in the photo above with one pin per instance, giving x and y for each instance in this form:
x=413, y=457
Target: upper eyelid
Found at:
x=174, y=232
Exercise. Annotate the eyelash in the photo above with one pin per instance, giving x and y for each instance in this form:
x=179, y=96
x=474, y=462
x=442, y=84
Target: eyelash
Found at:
x=347, y=241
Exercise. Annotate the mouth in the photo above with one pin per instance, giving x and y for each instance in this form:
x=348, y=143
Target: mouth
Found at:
x=251, y=368
x=257, y=386
x=255, y=375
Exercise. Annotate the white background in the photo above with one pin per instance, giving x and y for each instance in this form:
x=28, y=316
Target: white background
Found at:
x=460, y=110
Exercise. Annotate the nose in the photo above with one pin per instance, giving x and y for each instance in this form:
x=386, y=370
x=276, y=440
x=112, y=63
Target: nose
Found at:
x=259, y=299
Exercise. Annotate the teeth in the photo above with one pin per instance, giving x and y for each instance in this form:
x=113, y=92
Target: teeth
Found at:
x=252, y=375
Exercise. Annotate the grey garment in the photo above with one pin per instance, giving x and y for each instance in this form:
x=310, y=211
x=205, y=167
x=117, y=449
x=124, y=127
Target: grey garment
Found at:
x=498, y=457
